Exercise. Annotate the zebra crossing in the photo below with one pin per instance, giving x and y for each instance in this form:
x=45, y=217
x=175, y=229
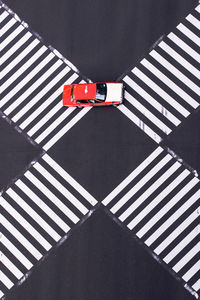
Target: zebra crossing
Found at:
x=36, y=213
x=33, y=76
x=163, y=89
x=159, y=203
x=46, y=202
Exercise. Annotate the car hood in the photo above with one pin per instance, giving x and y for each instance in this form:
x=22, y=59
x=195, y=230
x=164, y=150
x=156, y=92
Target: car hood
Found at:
x=84, y=91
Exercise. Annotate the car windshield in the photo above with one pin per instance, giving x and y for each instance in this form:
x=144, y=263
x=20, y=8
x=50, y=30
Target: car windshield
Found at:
x=101, y=91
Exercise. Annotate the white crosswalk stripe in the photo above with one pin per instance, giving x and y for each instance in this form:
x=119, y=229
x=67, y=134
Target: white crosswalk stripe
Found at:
x=51, y=214
x=164, y=88
x=196, y=285
x=45, y=204
x=149, y=191
x=148, y=97
x=184, y=46
x=190, y=273
x=23, y=82
x=7, y=26
x=133, y=174
x=20, y=71
x=30, y=90
x=141, y=183
x=15, y=252
x=166, y=208
x=40, y=109
x=69, y=178
x=194, y=38
x=176, y=232
x=5, y=280
x=36, y=83
x=151, y=133
x=17, y=59
x=147, y=113
x=179, y=59
x=179, y=75
x=197, y=8
x=25, y=224
x=159, y=203
x=193, y=21
x=185, y=259
x=20, y=237
x=52, y=197
x=12, y=36
x=155, y=202
x=66, y=127
x=3, y=15
x=170, y=84
x=40, y=94
x=62, y=189
x=53, y=125
x=10, y=266
x=13, y=49
x=173, y=253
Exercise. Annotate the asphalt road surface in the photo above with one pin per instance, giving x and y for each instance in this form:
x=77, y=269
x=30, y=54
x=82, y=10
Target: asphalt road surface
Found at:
x=100, y=203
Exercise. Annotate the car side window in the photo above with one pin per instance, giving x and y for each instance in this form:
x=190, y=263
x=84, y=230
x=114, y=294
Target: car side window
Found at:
x=81, y=101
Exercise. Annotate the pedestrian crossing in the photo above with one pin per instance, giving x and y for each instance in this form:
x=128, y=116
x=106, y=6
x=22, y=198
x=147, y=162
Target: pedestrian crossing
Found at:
x=159, y=203
x=164, y=89
x=37, y=211
x=33, y=76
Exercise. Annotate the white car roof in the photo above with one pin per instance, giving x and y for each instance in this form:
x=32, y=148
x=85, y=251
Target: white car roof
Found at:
x=114, y=92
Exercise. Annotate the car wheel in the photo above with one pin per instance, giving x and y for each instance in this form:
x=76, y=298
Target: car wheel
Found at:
x=79, y=106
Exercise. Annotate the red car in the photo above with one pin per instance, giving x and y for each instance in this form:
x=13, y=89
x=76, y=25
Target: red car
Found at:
x=93, y=94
